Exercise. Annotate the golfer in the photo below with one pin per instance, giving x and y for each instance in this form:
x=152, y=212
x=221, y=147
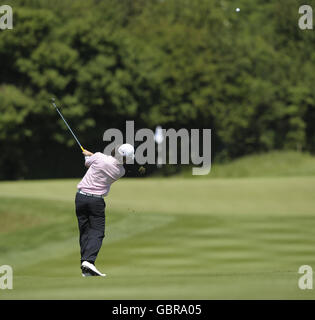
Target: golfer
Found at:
x=102, y=171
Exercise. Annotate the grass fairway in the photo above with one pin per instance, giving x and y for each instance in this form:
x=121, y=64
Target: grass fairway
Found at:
x=178, y=238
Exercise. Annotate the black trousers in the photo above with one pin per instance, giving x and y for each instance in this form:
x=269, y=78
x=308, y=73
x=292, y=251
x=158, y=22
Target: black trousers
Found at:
x=90, y=212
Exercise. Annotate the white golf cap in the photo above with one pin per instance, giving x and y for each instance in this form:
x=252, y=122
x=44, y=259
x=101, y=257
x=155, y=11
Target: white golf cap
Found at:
x=127, y=150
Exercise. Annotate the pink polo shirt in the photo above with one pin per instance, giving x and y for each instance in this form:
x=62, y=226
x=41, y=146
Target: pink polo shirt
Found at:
x=103, y=171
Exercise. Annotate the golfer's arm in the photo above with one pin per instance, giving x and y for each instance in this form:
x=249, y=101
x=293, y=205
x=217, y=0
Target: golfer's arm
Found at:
x=87, y=155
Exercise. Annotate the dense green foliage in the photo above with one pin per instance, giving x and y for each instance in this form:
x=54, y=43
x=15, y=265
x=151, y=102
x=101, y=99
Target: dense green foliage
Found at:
x=179, y=63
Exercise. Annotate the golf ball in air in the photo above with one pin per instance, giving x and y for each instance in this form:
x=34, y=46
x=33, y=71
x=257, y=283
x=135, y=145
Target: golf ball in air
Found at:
x=237, y=9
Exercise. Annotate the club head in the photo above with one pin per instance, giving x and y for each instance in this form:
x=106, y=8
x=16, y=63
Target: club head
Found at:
x=52, y=100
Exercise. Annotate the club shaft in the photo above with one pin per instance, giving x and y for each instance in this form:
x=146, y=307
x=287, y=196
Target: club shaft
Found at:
x=64, y=120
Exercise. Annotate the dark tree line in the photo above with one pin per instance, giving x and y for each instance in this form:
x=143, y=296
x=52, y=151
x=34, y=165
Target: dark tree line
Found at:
x=177, y=63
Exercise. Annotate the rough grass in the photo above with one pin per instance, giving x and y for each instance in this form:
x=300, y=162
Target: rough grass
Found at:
x=273, y=164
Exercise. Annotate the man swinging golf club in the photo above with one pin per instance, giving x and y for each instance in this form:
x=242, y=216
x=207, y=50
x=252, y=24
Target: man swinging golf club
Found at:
x=102, y=171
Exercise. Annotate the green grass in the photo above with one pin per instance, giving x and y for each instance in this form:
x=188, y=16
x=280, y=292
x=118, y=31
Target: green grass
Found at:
x=273, y=164
x=242, y=238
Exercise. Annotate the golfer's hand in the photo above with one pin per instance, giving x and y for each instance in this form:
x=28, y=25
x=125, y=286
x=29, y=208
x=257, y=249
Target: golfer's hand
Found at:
x=87, y=153
x=141, y=170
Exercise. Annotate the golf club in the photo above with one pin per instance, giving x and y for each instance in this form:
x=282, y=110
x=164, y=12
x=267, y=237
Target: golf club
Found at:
x=76, y=139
